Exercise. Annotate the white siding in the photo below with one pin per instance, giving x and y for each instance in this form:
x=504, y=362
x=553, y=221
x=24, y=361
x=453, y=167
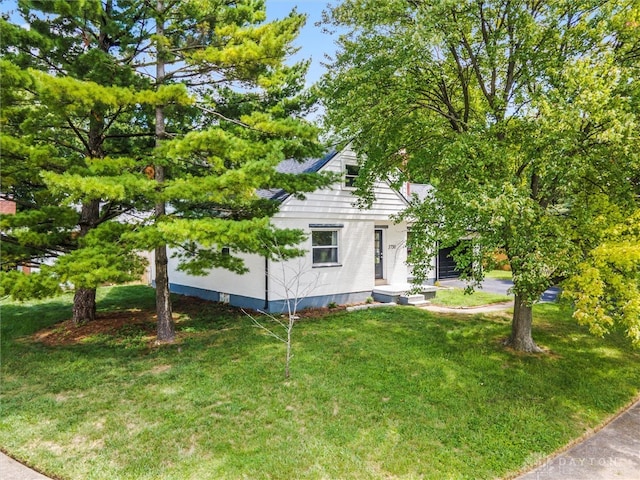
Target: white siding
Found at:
x=338, y=202
x=251, y=284
x=355, y=272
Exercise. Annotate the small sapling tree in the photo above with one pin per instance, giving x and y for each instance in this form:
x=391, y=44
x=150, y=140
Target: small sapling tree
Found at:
x=295, y=281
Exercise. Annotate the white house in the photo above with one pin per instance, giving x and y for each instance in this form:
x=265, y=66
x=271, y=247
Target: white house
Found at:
x=352, y=253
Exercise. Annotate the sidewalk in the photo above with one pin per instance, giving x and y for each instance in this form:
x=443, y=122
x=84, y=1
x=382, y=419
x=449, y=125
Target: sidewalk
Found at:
x=495, y=307
x=12, y=470
x=611, y=453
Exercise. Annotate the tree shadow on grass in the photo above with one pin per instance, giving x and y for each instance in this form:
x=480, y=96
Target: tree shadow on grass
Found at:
x=125, y=297
x=400, y=367
x=125, y=323
x=25, y=318
x=19, y=319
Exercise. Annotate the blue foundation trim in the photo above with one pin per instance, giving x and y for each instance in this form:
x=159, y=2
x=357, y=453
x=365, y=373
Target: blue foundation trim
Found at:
x=194, y=292
x=280, y=306
x=275, y=306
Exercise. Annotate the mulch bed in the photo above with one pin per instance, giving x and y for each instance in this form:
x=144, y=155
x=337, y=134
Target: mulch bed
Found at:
x=120, y=322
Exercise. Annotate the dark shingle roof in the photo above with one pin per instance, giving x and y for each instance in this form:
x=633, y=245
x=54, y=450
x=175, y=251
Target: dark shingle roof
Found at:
x=292, y=166
x=311, y=165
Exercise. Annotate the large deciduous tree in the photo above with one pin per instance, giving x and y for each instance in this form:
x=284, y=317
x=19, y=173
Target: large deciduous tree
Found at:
x=606, y=287
x=522, y=115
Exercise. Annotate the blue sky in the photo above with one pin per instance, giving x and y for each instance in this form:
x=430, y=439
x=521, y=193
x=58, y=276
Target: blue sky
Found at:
x=313, y=43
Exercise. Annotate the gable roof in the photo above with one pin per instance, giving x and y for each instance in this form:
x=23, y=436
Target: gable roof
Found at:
x=312, y=165
x=292, y=166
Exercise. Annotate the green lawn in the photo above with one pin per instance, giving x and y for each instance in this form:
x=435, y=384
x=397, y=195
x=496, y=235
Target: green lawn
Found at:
x=380, y=393
x=499, y=274
x=455, y=297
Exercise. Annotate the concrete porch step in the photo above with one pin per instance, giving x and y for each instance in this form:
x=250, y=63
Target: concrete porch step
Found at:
x=411, y=299
x=398, y=293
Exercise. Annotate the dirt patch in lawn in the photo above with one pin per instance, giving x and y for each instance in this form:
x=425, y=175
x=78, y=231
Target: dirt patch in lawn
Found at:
x=109, y=324
x=121, y=326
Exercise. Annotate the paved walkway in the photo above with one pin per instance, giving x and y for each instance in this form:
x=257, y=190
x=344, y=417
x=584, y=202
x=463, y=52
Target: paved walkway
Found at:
x=496, y=307
x=12, y=470
x=612, y=453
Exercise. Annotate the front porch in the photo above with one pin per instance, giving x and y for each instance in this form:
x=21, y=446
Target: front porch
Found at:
x=403, y=294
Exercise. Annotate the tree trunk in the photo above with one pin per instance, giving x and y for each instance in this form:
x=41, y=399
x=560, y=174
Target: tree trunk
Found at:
x=84, y=300
x=165, y=329
x=521, y=339
x=84, y=305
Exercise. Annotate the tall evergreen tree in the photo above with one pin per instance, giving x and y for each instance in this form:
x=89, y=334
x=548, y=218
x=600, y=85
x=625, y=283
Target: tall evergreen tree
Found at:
x=66, y=110
x=193, y=109
x=212, y=158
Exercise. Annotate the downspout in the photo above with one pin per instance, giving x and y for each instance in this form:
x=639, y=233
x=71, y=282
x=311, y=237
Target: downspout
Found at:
x=437, y=261
x=266, y=283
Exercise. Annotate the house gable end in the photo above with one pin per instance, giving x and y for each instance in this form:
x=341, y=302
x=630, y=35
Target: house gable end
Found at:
x=340, y=201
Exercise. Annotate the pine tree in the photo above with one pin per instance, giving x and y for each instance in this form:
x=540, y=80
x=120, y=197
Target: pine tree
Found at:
x=212, y=158
x=66, y=107
x=181, y=119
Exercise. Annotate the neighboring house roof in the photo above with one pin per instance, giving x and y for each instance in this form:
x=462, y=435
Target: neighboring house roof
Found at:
x=310, y=165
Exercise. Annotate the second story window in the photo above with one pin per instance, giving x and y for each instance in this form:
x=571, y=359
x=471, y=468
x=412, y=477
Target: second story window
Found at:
x=350, y=175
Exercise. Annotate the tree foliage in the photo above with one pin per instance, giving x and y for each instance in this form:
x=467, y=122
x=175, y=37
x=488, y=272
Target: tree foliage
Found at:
x=606, y=286
x=171, y=125
x=522, y=115
x=67, y=104
x=245, y=118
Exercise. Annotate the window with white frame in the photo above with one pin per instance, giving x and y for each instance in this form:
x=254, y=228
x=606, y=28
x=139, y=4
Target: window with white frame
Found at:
x=324, y=245
x=350, y=175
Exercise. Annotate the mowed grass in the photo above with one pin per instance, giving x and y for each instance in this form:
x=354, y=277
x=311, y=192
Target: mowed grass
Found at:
x=499, y=274
x=456, y=297
x=380, y=393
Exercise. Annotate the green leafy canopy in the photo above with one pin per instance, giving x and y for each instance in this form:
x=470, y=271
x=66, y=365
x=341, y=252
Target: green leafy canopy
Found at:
x=523, y=116
x=101, y=99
